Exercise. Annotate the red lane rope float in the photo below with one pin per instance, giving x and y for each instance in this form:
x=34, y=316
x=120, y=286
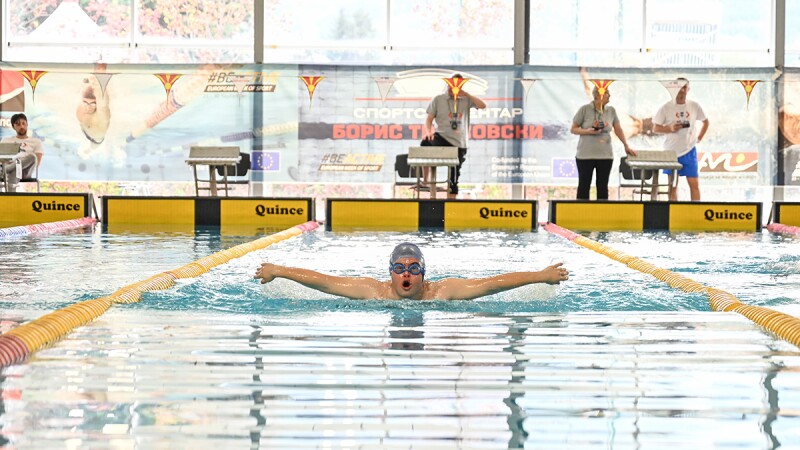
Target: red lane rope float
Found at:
x=784, y=229
x=19, y=343
x=783, y=325
x=25, y=230
x=12, y=350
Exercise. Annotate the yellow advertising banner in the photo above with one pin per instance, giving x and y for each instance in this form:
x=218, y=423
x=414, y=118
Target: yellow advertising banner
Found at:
x=149, y=211
x=489, y=215
x=41, y=208
x=790, y=214
x=600, y=216
x=279, y=214
x=175, y=229
x=713, y=217
x=373, y=215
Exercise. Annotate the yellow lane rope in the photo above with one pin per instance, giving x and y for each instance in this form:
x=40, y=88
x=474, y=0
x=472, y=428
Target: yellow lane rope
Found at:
x=783, y=325
x=17, y=344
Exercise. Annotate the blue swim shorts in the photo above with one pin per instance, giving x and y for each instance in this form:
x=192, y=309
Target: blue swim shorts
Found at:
x=690, y=168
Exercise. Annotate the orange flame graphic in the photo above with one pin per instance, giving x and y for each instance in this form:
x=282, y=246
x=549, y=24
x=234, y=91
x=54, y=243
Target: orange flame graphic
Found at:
x=311, y=83
x=455, y=85
x=748, y=86
x=602, y=88
x=33, y=77
x=168, y=80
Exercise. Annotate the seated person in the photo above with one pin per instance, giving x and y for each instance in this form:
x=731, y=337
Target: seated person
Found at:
x=407, y=271
x=31, y=151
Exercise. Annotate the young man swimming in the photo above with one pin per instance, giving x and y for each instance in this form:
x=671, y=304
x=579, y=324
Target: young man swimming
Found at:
x=407, y=271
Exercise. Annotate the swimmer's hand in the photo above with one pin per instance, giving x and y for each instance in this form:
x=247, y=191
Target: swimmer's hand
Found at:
x=555, y=274
x=266, y=273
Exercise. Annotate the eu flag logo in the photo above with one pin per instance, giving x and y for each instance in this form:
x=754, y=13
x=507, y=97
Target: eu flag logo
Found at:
x=266, y=161
x=564, y=168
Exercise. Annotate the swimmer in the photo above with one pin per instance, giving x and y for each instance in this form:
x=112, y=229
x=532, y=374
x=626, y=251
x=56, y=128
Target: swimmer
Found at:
x=93, y=111
x=407, y=271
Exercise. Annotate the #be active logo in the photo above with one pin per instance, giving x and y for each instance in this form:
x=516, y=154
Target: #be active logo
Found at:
x=238, y=82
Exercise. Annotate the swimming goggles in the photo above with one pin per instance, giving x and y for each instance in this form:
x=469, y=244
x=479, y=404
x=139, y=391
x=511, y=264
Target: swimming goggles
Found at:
x=413, y=269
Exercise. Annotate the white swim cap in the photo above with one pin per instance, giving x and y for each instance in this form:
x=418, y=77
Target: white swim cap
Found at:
x=407, y=250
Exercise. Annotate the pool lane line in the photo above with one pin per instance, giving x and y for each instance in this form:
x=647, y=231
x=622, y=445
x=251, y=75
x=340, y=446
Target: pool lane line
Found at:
x=783, y=229
x=24, y=230
x=19, y=343
x=783, y=325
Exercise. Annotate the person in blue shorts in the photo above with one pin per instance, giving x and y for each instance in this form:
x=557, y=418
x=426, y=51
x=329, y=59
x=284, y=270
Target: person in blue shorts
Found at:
x=678, y=121
x=407, y=271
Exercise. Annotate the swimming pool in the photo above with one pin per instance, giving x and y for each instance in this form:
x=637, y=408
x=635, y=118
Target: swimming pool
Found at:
x=613, y=358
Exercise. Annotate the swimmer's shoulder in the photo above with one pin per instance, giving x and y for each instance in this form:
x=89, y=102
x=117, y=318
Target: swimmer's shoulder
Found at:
x=440, y=289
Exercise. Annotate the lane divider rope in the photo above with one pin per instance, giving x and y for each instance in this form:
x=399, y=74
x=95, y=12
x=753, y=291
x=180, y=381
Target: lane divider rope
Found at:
x=19, y=343
x=24, y=230
x=784, y=229
x=783, y=325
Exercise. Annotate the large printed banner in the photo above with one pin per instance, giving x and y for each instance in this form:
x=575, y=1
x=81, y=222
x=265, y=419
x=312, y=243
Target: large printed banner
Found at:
x=347, y=124
x=789, y=123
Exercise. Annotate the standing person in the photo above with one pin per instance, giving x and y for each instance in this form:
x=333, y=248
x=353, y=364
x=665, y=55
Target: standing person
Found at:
x=593, y=123
x=678, y=120
x=407, y=272
x=452, y=117
x=31, y=152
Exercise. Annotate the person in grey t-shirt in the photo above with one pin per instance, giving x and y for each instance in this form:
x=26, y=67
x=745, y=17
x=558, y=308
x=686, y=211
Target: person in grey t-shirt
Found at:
x=451, y=116
x=593, y=123
x=29, y=156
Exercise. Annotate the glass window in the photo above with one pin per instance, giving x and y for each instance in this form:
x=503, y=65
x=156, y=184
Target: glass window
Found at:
x=709, y=33
x=63, y=31
x=586, y=32
x=66, y=21
x=325, y=23
x=458, y=24
x=652, y=33
x=369, y=32
x=178, y=32
x=92, y=31
x=792, y=42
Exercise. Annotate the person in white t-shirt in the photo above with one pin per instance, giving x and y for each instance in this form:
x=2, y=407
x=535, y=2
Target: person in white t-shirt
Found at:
x=678, y=121
x=30, y=154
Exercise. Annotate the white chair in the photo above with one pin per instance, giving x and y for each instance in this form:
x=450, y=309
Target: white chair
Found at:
x=433, y=157
x=212, y=157
x=652, y=161
x=639, y=179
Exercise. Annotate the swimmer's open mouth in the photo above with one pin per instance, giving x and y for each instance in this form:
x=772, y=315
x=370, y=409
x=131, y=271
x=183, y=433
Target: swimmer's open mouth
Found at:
x=88, y=92
x=406, y=284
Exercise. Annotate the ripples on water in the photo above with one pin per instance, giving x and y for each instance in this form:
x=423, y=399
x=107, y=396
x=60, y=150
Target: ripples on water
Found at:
x=611, y=359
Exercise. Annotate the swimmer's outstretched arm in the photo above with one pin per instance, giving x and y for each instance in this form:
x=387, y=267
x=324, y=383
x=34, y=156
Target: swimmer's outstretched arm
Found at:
x=351, y=287
x=467, y=289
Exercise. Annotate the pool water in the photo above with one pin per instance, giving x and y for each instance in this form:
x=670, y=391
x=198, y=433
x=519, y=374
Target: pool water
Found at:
x=611, y=359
